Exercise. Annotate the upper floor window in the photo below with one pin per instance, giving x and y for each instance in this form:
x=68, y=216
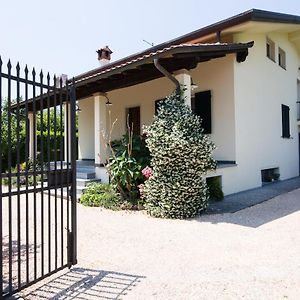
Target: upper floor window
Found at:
x=281, y=58
x=270, y=48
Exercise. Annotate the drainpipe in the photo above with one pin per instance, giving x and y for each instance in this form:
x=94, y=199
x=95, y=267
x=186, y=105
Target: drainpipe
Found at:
x=160, y=68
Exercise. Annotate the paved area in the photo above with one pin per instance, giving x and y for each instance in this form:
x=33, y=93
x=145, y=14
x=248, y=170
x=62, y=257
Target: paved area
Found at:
x=250, y=254
x=242, y=200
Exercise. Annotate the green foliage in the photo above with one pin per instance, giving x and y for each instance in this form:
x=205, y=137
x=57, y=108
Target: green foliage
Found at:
x=215, y=188
x=140, y=151
x=125, y=174
x=180, y=156
x=23, y=180
x=99, y=194
x=54, y=139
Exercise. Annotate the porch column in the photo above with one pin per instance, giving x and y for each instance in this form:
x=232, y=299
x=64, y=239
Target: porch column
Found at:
x=184, y=78
x=32, y=132
x=67, y=131
x=100, y=129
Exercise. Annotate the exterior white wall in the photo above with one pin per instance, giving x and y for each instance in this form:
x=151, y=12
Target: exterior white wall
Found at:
x=86, y=143
x=260, y=87
x=217, y=75
x=143, y=95
x=246, y=111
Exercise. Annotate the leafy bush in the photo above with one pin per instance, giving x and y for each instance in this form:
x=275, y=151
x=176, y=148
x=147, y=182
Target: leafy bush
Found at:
x=180, y=155
x=99, y=194
x=22, y=178
x=125, y=173
x=128, y=156
x=140, y=151
x=215, y=188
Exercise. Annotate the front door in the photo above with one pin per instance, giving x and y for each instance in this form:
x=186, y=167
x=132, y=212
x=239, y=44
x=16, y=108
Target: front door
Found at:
x=134, y=120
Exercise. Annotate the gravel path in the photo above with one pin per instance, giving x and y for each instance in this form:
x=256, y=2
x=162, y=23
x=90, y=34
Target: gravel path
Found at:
x=251, y=254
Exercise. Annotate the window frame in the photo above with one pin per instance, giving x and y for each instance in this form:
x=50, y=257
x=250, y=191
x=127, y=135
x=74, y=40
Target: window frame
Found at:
x=281, y=58
x=270, y=51
x=285, y=119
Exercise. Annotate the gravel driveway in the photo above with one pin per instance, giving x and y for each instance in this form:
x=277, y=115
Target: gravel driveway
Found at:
x=251, y=254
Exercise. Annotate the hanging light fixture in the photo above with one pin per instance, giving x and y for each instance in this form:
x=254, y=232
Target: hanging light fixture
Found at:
x=78, y=109
x=108, y=103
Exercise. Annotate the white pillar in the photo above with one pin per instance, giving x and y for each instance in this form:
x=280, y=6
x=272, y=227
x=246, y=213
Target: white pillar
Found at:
x=67, y=131
x=184, y=78
x=32, y=133
x=100, y=130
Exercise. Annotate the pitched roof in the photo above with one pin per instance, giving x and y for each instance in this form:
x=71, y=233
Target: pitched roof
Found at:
x=250, y=15
x=141, y=69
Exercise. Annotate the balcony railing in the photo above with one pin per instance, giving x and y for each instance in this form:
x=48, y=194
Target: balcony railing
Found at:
x=298, y=110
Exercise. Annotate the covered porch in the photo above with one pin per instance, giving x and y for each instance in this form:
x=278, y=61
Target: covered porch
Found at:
x=135, y=85
x=206, y=72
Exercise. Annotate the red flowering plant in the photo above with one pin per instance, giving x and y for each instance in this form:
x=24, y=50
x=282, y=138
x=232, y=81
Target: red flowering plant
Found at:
x=147, y=173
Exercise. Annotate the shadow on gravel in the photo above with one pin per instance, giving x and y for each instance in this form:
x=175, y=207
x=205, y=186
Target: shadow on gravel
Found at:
x=81, y=283
x=266, y=212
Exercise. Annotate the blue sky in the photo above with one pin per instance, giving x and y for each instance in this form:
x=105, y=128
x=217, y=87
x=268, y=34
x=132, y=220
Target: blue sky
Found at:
x=62, y=36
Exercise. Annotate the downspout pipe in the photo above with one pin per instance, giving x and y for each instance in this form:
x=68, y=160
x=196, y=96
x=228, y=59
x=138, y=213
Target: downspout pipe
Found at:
x=161, y=69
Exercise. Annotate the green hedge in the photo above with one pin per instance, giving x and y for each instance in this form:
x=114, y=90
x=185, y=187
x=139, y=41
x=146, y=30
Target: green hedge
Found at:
x=54, y=151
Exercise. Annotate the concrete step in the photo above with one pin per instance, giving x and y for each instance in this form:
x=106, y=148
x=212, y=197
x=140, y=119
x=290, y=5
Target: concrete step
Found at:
x=84, y=182
x=85, y=175
x=82, y=185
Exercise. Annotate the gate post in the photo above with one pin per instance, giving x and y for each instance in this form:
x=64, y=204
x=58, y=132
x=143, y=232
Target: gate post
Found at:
x=73, y=163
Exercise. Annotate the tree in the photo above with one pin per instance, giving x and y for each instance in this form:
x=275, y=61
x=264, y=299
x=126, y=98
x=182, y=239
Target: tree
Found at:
x=18, y=137
x=181, y=154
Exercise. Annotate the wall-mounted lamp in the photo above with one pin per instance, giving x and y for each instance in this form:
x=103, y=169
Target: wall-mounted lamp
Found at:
x=108, y=103
x=78, y=109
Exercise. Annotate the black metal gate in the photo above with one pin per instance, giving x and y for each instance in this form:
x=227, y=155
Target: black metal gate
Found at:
x=37, y=176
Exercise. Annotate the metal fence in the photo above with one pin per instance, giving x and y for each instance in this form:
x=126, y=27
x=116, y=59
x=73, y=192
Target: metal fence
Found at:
x=37, y=177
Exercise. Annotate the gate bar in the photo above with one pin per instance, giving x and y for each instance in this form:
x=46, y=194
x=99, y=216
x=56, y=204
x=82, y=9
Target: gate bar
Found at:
x=48, y=175
x=26, y=175
x=9, y=178
x=55, y=172
x=42, y=170
x=73, y=162
x=18, y=177
x=1, y=233
x=34, y=171
x=61, y=173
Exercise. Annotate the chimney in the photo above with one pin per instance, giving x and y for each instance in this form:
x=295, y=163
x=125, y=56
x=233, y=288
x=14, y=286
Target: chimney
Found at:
x=104, y=55
x=61, y=80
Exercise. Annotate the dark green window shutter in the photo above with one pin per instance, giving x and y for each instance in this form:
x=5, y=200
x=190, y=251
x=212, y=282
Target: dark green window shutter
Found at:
x=285, y=112
x=201, y=106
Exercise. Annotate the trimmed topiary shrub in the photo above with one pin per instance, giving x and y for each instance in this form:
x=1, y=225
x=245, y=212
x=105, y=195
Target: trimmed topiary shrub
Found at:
x=180, y=156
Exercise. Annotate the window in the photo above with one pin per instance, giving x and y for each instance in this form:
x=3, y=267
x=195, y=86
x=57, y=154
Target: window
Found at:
x=285, y=111
x=281, y=58
x=134, y=119
x=201, y=106
x=270, y=48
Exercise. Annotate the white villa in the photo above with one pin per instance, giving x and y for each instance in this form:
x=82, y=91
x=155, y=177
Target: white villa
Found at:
x=241, y=76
